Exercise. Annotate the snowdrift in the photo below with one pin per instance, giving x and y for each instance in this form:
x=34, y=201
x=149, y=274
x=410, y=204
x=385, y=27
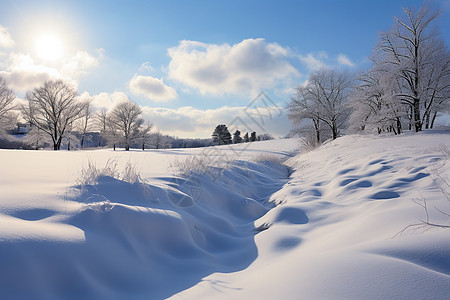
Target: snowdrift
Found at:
x=120, y=233
x=345, y=221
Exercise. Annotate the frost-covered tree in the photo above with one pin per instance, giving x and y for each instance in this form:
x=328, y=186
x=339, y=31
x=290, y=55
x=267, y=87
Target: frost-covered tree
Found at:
x=52, y=108
x=221, y=135
x=303, y=107
x=253, y=137
x=237, y=137
x=322, y=99
x=101, y=125
x=36, y=138
x=375, y=107
x=413, y=56
x=437, y=81
x=7, y=118
x=124, y=123
x=265, y=137
x=144, y=135
x=160, y=141
x=84, y=124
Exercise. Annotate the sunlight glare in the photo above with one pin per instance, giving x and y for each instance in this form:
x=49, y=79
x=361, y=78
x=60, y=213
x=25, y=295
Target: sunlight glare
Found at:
x=49, y=47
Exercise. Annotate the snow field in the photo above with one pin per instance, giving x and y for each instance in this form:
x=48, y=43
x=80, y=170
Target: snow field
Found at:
x=127, y=229
x=340, y=222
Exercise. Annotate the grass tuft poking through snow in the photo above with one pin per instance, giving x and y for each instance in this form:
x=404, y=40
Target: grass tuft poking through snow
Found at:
x=91, y=179
x=91, y=174
x=202, y=163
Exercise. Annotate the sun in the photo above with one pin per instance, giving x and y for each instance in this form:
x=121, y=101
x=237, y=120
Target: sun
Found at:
x=49, y=47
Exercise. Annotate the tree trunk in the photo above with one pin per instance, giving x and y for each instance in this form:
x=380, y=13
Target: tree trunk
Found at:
x=410, y=117
x=433, y=119
x=334, y=131
x=317, y=127
x=57, y=145
x=417, y=121
x=427, y=120
x=399, y=125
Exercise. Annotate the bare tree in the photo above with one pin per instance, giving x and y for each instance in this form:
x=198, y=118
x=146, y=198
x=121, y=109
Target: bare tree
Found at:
x=265, y=137
x=85, y=122
x=414, y=57
x=374, y=105
x=36, y=138
x=144, y=137
x=7, y=118
x=125, y=121
x=437, y=83
x=303, y=107
x=52, y=108
x=323, y=99
x=101, y=124
x=160, y=141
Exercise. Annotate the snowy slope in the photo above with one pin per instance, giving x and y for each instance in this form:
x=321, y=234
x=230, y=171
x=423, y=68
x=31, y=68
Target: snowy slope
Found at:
x=202, y=224
x=339, y=233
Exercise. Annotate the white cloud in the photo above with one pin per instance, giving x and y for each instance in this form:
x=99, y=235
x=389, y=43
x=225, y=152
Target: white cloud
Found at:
x=23, y=72
x=344, y=60
x=152, y=88
x=193, y=122
x=106, y=101
x=5, y=39
x=243, y=68
x=314, y=61
x=80, y=63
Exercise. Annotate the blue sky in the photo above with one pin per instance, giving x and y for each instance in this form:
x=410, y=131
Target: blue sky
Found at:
x=191, y=64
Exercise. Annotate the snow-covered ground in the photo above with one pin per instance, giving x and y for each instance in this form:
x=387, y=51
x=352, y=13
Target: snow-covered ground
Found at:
x=203, y=224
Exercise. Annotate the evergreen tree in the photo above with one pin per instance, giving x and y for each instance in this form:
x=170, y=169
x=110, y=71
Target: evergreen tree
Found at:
x=253, y=137
x=221, y=135
x=237, y=137
x=246, y=139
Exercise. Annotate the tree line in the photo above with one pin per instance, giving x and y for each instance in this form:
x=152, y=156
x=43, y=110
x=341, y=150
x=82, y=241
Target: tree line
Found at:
x=55, y=114
x=221, y=136
x=407, y=86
